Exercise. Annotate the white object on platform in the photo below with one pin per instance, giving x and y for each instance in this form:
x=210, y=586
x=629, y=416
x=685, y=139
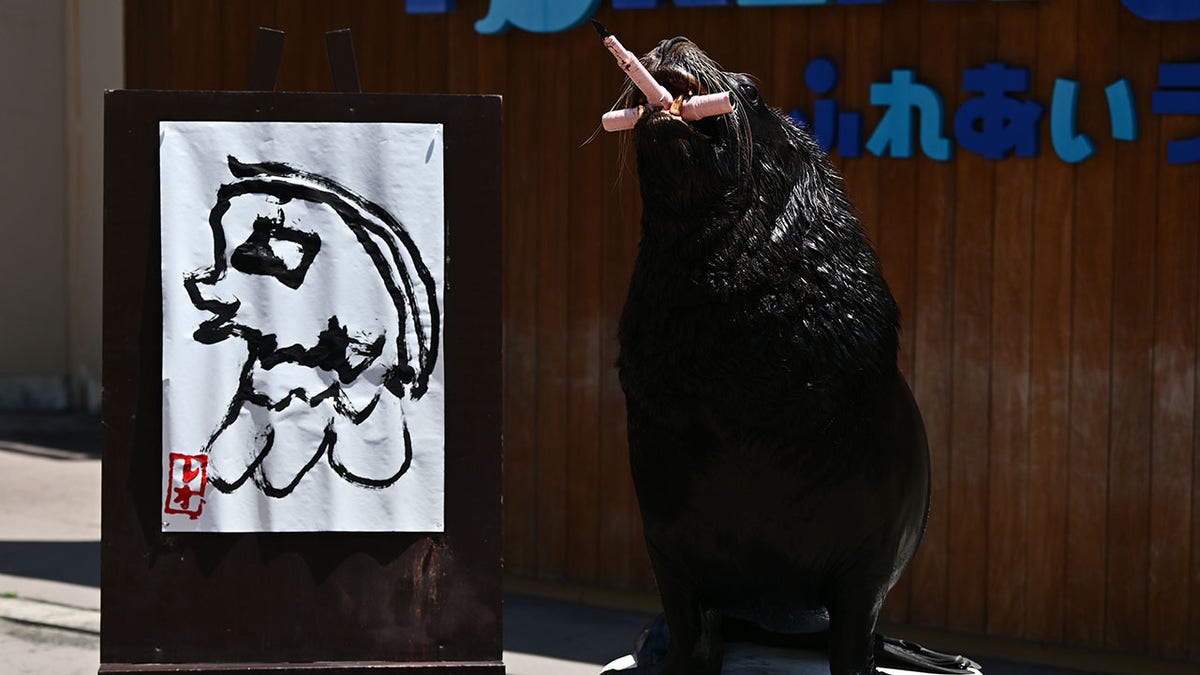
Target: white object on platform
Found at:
x=745, y=659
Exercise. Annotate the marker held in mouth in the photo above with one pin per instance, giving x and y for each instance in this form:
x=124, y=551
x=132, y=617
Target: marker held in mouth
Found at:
x=657, y=95
x=694, y=108
x=699, y=107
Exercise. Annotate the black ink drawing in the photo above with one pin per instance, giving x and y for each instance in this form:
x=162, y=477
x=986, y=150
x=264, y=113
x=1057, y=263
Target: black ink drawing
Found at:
x=283, y=291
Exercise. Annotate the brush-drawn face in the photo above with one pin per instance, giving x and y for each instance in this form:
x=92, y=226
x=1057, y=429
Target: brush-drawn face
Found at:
x=687, y=169
x=293, y=281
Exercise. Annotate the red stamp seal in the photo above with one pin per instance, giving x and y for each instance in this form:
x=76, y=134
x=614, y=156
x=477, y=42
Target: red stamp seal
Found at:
x=187, y=477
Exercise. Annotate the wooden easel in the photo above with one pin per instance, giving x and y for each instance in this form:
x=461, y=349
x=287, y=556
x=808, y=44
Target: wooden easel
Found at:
x=268, y=52
x=313, y=602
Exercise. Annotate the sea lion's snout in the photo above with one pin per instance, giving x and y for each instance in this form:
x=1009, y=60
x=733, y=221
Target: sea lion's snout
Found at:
x=682, y=68
x=671, y=43
x=688, y=165
x=676, y=48
x=708, y=164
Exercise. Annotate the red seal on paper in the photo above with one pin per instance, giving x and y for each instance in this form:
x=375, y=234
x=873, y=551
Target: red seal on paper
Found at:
x=187, y=477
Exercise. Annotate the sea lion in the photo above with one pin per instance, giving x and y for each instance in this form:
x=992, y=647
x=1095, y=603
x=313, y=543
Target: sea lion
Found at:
x=779, y=458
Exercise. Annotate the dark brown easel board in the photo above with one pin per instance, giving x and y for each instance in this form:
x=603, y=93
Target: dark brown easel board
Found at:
x=299, y=601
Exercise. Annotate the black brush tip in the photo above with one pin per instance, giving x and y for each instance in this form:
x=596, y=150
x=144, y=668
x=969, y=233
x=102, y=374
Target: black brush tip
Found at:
x=600, y=29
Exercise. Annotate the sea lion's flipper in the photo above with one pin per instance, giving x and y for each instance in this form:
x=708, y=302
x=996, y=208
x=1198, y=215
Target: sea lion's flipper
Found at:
x=852, y=617
x=894, y=652
x=697, y=646
x=650, y=645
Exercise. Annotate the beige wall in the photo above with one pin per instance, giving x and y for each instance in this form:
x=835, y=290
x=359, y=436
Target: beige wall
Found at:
x=95, y=62
x=32, y=169
x=58, y=58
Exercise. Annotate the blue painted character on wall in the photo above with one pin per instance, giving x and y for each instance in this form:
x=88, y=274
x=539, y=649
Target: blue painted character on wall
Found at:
x=552, y=16
x=1164, y=10
x=536, y=16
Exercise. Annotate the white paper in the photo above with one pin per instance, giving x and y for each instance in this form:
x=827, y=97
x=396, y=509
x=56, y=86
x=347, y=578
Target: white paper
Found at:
x=302, y=277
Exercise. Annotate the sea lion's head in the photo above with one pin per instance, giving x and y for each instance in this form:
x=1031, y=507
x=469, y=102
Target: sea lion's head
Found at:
x=713, y=169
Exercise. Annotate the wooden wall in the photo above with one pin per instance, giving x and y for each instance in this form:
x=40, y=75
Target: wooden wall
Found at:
x=1050, y=310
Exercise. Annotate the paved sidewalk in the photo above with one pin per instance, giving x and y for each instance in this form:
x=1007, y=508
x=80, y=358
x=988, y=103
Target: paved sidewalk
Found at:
x=49, y=555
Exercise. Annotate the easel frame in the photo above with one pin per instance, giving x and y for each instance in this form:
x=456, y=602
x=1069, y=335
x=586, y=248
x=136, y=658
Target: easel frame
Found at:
x=311, y=602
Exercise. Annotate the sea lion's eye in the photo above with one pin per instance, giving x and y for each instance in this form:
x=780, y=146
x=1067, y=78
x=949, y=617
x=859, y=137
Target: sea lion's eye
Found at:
x=749, y=92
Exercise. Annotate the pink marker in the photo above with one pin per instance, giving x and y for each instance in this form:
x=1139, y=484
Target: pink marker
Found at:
x=699, y=107
x=620, y=120
x=657, y=95
x=695, y=108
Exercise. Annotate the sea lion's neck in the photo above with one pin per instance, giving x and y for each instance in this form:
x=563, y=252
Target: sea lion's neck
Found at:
x=798, y=245
x=738, y=221
x=674, y=212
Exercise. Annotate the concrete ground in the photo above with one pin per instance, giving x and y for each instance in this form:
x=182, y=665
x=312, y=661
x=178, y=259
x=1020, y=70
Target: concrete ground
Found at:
x=49, y=551
x=50, y=571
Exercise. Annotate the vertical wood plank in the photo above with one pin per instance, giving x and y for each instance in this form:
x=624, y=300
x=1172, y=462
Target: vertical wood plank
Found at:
x=1174, y=394
x=1176, y=462
x=520, y=315
x=462, y=54
x=974, y=199
x=1131, y=408
x=898, y=197
x=519, y=534
x=551, y=70
x=583, y=313
x=372, y=36
x=432, y=56
x=492, y=54
x=1050, y=347
x=826, y=40
x=932, y=324
x=135, y=49
x=788, y=90
x=155, y=38
x=1008, y=460
x=864, y=35
x=304, y=65
x=403, y=57
x=1194, y=580
x=242, y=21
x=291, y=71
x=316, y=19
x=1091, y=337
x=755, y=56
x=198, y=27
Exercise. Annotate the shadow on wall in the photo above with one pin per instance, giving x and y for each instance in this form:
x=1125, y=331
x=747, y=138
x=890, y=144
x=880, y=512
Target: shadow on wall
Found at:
x=47, y=434
x=72, y=562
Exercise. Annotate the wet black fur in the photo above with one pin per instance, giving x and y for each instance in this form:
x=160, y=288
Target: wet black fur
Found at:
x=780, y=461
